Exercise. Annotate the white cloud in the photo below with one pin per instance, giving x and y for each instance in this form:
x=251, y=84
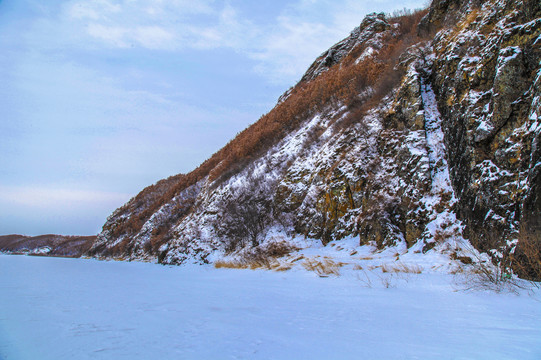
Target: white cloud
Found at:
x=282, y=48
x=95, y=10
x=227, y=30
x=154, y=24
x=286, y=54
x=83, y=11
x=114, y=36
x=153, y=37
x=307, y=28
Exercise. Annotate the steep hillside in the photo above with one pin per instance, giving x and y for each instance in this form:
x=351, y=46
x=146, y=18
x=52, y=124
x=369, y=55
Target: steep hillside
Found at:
x=415, y=131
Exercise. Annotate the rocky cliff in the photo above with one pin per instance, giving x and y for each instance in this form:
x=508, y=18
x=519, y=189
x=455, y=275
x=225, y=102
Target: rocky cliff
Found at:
x=416, y=129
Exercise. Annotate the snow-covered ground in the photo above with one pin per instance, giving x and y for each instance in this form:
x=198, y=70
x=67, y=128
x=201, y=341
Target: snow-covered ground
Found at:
x=53, y=308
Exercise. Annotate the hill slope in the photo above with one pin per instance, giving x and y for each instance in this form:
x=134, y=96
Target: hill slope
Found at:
x=416, y=130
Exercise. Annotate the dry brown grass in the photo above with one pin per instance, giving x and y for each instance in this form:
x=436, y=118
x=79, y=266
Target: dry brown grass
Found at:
x=441, y=236
x=323, y=267
x=295, y=258
x=401, y=268
x=267, y=264
x=262, y=257
x=463, y=259
x=229, y=264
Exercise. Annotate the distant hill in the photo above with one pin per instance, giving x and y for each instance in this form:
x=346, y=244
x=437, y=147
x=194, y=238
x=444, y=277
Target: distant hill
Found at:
x=50, y=245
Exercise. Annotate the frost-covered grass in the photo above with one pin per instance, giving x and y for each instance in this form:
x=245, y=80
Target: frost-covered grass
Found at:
x=53, y=308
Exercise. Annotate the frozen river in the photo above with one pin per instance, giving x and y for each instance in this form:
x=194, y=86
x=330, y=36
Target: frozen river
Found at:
x=52, y=308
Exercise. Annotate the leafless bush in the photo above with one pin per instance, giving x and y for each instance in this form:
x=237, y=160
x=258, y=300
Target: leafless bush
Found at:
x=365, y=279
x=388, y=281
x=487, y=274
x=285, y=219
x=245, y=214
x=405, y=13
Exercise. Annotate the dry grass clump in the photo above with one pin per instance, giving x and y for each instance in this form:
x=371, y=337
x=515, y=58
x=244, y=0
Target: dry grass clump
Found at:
x=261, y=257
x=442, y=235
x=268, y=264
x=401, y=268
x=366, y=258
x=463, y=259
x=228, y=264
x=456, y=271
x=324, y=267
x=278, y=249
x=241, y=264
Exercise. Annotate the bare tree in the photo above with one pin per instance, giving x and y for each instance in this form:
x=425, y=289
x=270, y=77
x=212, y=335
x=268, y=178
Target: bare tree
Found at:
x=245, y=213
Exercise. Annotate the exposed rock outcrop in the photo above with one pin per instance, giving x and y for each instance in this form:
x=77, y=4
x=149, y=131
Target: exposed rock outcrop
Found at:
x=484, y=72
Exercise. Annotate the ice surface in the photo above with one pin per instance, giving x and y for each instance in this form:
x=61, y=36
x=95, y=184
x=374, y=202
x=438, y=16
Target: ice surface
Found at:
x=434, y=137
x=52, y=308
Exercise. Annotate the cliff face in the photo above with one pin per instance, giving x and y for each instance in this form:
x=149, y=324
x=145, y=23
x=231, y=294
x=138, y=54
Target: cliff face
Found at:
x=486, y=72
x=414, y=131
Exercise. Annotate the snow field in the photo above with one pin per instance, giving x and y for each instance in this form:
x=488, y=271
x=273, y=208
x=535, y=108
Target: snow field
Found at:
x=53, y=308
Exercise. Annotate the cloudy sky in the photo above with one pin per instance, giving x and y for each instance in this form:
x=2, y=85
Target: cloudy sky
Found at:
x=100, y=98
